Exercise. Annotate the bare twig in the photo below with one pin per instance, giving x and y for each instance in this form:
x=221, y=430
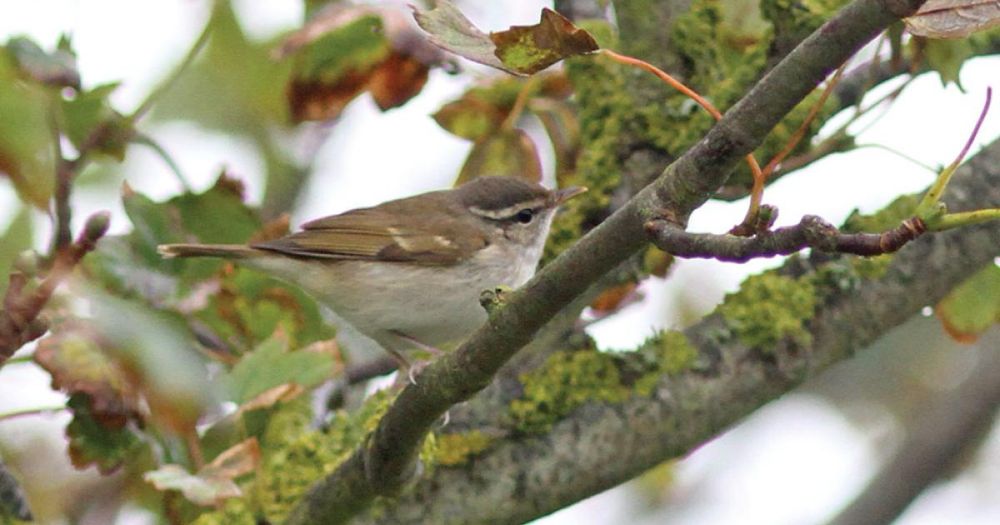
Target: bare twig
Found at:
x=810, y=232
x=19, y=321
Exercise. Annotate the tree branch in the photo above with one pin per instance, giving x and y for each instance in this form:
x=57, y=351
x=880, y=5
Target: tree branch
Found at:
x=940, y=437
x=810, y=232
x=600, y=445
x=388, y=458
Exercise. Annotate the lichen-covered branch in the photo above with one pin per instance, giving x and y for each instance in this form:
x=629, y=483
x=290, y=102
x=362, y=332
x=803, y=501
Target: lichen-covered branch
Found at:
x=387, y=459
x=810, y=232
x=602, y=443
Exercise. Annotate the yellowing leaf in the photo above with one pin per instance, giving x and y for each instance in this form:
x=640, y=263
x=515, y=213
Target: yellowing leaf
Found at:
x=972, y=307
x=25, y=139
x=508, y=153
x=953, y=18
x=520, y=50
x=75, y=358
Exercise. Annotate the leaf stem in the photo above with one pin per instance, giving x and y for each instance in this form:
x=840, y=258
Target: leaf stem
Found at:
x=928, y=207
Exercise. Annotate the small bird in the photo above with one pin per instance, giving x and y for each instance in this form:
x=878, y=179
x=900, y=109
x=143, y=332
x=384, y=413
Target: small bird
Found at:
x=408, y=273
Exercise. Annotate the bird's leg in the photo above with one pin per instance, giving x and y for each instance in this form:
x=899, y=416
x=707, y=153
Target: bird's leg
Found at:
x=433, y=350
x=411, y=370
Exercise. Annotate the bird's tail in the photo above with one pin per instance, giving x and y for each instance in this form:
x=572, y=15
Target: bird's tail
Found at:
x=225, y=251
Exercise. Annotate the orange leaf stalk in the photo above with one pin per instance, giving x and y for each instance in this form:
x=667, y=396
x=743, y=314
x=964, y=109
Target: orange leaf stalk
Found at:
x=757, y=190
x=758, y=176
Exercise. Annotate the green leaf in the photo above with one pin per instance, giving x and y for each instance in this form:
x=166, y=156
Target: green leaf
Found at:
x=16, y=239
x=234, y=86
x=520, y=50
x=56, y=69
x=946, y=57
x=88, y=118
x=25, y=139
x=92, y=443
x=217, y=215
x=271, y=365
x=973, y=306
x=251, y=306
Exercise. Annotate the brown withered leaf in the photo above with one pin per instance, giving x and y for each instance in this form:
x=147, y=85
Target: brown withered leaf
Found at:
x=271, y=397
x=520, y=50
x=317, y=100
x=397, y=79
x=241, y=458
x=273, y=229
x=346, y=50
x=613, y=298
x=953, y=18
x=507, y=153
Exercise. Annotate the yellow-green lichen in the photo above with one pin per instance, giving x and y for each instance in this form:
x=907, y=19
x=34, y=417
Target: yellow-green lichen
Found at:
x=673, y=354
x=456, y=449
x=769, y=308
x=296, y=457
x=871, y=267
x=795, y=19
x=564, y=382
x=892, y=215
x=234, y=511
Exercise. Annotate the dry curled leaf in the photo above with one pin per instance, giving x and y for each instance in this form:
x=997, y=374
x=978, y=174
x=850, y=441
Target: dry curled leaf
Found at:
x=520, y=50
x=953, y=18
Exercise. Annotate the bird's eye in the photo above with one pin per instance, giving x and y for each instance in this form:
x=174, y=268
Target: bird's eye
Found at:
x=524, y=216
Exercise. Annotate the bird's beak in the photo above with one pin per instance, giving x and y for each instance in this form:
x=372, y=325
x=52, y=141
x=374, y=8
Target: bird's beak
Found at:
x=566, y=194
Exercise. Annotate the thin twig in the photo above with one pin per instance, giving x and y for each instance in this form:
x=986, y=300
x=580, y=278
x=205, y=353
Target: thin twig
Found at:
x=19, y=322
x=758, y=175
x=810, y=232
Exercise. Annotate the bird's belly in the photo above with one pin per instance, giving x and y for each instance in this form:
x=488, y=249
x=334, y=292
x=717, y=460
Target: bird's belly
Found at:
x=438, y=306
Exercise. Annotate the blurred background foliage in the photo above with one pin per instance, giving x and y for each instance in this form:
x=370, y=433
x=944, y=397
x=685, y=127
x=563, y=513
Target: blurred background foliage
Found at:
x=178, y=375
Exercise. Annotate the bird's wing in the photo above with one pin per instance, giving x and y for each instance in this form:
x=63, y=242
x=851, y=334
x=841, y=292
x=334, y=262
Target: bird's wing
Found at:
x=365, y=234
